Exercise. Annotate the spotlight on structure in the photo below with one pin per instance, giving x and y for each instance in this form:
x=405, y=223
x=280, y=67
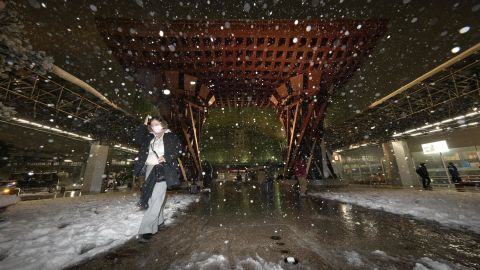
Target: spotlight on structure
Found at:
x=166, y=92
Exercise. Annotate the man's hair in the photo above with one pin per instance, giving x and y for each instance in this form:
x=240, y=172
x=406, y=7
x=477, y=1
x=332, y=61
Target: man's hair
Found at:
x=160, y=119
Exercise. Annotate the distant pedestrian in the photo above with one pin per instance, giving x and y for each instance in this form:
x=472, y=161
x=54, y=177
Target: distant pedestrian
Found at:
x=269, y=176
x=452, y=169
x=423, y=173
x=300, y=171
x=239, y=177
x=207, y=175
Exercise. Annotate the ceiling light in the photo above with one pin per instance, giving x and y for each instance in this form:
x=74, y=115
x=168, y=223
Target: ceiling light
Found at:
x=166, y=92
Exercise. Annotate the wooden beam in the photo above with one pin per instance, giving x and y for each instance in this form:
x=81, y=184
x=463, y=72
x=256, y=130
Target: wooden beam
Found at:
x=194, y=131
x=189, y=145
x=204, y=91
x=306, y=121
x=182, y=169
x=292, y=134
x=196, y=106
x=311, y=155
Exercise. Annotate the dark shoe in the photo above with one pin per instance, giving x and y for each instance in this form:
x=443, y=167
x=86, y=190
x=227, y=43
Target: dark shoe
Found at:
x=162, y=226
x=144, y=238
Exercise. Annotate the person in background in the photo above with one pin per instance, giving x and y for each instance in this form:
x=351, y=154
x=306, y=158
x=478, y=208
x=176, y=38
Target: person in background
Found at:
x=300, y=171
x=158, y=153
x=207, y=175
x=238, y=181
x=423, y=173
x=269, y=176
x=238, y=177
x=452, y=169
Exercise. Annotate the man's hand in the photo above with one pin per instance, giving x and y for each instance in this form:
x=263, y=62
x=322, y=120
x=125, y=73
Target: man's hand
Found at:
x=161, y=159
x=146, y=120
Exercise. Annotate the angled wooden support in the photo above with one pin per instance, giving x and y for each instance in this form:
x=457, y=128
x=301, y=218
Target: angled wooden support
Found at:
x=194, y=127
x=292, y=133
x=303, y=129
x=312, y=152
x=187, y=137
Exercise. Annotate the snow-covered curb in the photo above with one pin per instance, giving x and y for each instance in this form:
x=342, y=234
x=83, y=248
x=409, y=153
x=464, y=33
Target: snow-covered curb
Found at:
x=6, y=200
x=458, y=210
x=56, y=233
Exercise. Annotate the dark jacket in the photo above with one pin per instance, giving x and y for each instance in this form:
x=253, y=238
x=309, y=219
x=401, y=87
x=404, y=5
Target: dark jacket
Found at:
x=207, y=169
x=422, y=171
x=172, y=150
x=452, y=169
x=156, y=175
x=300, y=167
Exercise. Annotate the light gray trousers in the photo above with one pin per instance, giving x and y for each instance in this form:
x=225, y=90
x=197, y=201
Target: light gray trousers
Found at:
x=153, y=216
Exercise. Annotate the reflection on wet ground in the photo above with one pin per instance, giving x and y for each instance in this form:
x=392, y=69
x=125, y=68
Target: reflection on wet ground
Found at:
x=48, y=195
x=233, y=228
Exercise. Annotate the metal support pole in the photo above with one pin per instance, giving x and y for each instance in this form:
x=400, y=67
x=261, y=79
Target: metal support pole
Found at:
x=445, y=167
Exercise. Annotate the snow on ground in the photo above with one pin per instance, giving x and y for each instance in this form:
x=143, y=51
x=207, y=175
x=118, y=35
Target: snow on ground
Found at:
x=429, y=264
x=353, y=258
x=6, y=200
x=381, y=260
x=55, y=233
x=205, y=261
x=454, y=209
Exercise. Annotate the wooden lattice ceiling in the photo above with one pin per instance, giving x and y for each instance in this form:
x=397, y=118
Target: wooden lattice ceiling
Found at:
x=245, y=61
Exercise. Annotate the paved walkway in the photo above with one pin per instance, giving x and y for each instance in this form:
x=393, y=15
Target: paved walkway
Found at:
x=251, y=230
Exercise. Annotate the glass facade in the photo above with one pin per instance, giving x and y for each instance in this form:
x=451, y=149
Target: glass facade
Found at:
x=369, y=165
x=466, y=159
x=365, y=165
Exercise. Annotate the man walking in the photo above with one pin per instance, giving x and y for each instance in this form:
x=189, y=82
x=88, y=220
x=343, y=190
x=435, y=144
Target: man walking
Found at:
x=423, y=173
x=452, y=169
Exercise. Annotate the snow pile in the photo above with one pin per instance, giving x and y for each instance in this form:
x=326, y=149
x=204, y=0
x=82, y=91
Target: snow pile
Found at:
x=6, y=200
x=257, y=263
x=53, y=234
x=382, y=260
x=429, y=264
x=353, y=258
x=458, y=210
x=205, y=261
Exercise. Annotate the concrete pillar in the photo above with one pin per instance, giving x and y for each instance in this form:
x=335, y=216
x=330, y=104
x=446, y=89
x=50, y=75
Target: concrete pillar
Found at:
x=404, y=165
x=391, y=168
x=95, y=169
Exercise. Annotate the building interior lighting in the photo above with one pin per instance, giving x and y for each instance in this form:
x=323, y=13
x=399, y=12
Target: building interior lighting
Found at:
x=425, y=129
x=127, y=149
x=52, y=129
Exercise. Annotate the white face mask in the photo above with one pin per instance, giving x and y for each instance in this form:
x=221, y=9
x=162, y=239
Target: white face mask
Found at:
x=157, y=129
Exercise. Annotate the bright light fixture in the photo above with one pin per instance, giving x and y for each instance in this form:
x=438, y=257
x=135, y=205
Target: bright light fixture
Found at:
x=435, y=147
x=166, y=92
x=127, y=149
x=56, y=130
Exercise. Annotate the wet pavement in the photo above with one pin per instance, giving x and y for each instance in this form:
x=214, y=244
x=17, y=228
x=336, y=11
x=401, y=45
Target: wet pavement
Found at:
x=247, y=229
